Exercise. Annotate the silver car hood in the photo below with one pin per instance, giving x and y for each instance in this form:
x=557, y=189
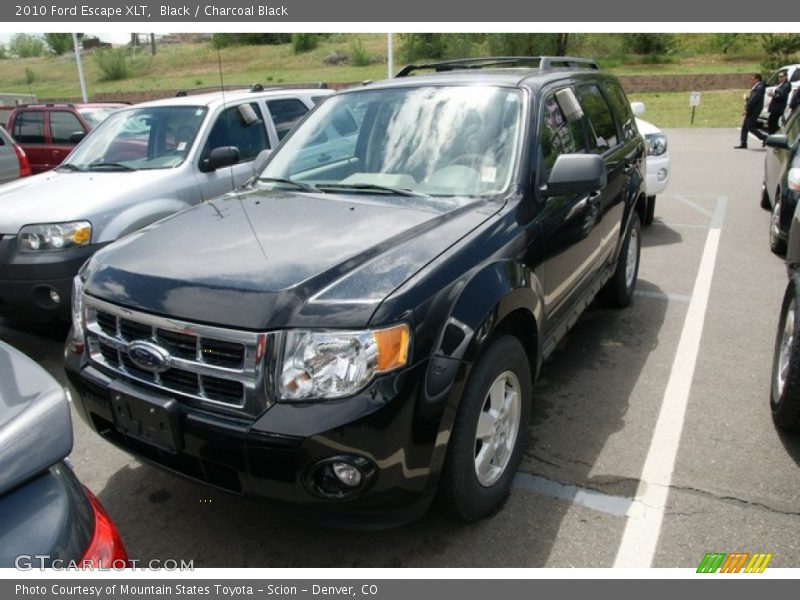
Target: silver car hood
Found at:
x=58, y=196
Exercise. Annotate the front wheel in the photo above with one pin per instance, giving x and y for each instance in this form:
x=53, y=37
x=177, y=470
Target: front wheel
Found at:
x=486, y=442
x=619, y=289
x=785, y=389
x=776, y=244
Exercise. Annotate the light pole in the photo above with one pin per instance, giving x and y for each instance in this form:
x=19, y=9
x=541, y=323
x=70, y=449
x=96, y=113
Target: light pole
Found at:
x=80, y=65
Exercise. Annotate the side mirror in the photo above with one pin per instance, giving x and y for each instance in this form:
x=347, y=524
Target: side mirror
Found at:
x=637, y=108
x=261, y=160
x=224, y=156
x=76, y=137
x=576, y=174
x=569, y=105
x=777, y=140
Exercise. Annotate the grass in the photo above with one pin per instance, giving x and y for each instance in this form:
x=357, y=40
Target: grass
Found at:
x=671, y=109
x=186, y=66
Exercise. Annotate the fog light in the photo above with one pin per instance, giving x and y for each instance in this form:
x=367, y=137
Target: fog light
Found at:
x=347, y=474
x=55, y=296
x=340, y=477
x=662, y=174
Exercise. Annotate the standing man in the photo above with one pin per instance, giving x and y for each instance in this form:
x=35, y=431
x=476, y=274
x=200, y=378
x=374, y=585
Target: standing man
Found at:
x=778, y=104
x=752, y=108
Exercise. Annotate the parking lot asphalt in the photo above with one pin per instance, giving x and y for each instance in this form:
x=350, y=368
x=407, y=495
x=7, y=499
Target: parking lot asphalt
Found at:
x=651, y=441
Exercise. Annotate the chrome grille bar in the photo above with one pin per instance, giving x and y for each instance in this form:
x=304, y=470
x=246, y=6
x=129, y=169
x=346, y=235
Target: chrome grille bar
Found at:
x=194, y=349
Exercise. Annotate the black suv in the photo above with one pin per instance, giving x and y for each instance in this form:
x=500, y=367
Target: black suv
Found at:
x=361, y=331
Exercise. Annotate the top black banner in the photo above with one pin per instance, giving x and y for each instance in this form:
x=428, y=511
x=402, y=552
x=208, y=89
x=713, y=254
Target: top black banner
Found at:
x=364, y=11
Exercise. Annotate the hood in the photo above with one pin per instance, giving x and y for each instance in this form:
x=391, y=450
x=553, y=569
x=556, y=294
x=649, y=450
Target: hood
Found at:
x=57, y=196
x=267, y=260
x=646, y=127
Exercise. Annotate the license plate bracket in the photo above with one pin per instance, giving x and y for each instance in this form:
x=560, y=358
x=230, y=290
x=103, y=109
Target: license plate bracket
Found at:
x=148, y=417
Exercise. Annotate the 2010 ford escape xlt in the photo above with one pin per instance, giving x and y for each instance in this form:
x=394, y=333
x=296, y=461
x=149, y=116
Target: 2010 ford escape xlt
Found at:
x=359, y=329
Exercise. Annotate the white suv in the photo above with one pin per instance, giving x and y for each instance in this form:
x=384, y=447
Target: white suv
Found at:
x=140, y=165
x=657, y=160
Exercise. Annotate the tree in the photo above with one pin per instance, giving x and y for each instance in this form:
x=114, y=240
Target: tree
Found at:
x=59, y=43
x=528, y=44
x=29, y=79
x=26, y=46
x=650, y=43
x=725, y=42
x=779, y=48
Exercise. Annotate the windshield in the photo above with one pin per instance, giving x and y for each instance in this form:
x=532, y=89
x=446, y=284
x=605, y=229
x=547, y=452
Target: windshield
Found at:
x=433, y=141
x=95, y=116
x=139, y=138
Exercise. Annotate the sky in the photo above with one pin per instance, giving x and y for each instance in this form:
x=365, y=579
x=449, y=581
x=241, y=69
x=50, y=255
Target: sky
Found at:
x=113, y=38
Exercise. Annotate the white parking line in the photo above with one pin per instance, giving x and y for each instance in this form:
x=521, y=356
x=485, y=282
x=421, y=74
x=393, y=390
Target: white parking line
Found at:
x=663, y=296
x=643, y=528
x=618, y=506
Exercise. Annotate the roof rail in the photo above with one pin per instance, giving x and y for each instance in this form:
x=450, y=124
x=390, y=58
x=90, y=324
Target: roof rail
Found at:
x=542, y=63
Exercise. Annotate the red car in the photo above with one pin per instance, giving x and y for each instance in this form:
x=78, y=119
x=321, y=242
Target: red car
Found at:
x=48, y=132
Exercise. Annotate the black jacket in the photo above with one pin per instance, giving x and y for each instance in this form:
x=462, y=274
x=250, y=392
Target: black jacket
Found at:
x=779, y=98
x=755, y=102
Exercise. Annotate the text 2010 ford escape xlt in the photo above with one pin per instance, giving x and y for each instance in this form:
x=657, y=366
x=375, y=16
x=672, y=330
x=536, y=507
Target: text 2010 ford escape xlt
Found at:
x=359, y=330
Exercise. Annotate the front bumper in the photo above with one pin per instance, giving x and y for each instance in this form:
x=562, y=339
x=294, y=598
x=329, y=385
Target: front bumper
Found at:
x=38, y=286
x=657, y=176
x=276, y=456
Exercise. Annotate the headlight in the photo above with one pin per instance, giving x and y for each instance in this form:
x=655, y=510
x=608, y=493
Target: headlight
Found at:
x=334, y=364
x=656, y=143
x=77, y=310
x=54, y=236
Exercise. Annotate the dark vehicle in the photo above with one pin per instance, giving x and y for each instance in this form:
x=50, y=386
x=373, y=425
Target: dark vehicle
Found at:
x=781, y=186
x=48, y=132
x=47, y=518
x=356, y=335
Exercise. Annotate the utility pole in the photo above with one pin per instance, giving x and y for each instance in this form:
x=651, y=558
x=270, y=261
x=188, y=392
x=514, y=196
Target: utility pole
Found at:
x=77, y=47
x=389, y=55
x=152, y=44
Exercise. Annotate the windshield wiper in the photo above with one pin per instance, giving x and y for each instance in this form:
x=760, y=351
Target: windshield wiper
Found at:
x=298, y=184
x=109, y=165
x=370, y=187
x=69, y=167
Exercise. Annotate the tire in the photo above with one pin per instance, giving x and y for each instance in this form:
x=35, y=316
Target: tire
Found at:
x=784, y=398
x=650, y=211
x=776, y=244
x=618, y=291
x=765, y=203
x=485, y=448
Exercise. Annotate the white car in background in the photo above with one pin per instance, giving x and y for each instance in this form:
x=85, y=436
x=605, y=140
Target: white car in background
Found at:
x=657, y=160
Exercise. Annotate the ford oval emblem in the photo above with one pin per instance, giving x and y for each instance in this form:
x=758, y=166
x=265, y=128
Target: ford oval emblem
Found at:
x=149, y=357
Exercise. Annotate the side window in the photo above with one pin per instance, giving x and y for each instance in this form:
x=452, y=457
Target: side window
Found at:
x=795, y=75
x=601, y=120
x=233, y=129
x=557, y=136
x=285, y=114
x=62, y=125
x=623, y=109
x=29, y=127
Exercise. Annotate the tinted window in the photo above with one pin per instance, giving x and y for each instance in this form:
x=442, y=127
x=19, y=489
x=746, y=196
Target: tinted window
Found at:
x=556, y=136
x=233, y=129
x=62, y=125
x=286, y=113
x=796, y=75
x=622, y=107
x=29, y=127
x=597, y=111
